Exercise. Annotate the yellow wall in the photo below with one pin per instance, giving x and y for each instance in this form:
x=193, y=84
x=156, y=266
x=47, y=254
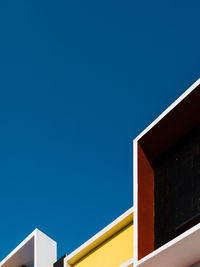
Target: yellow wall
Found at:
x=113, y=252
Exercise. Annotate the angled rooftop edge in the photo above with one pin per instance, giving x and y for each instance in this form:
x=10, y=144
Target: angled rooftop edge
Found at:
x=37, y=249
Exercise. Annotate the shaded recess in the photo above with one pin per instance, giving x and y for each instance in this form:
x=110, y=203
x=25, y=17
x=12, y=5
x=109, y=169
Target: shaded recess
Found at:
x=169, y=175
x=177, y=189
x=60, y=262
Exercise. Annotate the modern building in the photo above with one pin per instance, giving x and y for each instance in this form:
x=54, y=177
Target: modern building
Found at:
x=163, y=228
x=113, y=246
x=167, y=186
x=36, y=250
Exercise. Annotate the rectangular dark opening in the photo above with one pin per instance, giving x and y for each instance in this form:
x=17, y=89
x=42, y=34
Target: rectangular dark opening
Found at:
x=177, y=188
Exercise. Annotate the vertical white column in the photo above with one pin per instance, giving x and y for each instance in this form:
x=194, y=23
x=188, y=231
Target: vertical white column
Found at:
x=45, y=250
x=135, y=199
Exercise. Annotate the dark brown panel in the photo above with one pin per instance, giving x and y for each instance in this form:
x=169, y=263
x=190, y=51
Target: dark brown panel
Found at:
x=60, y=262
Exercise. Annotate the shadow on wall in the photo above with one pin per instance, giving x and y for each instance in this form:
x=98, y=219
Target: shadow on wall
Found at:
x=197, y=264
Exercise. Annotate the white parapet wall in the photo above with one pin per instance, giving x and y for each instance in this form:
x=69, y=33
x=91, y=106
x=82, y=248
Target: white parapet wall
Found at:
x=36, y=250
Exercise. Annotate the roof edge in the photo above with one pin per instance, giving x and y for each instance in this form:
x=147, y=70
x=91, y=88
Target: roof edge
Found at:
x=111, y=229
x=167, y=110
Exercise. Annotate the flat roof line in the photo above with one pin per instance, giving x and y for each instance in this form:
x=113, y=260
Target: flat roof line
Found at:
x=100, y=237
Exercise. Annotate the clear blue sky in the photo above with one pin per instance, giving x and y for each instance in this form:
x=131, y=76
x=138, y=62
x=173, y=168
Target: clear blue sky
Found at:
x=78, y=81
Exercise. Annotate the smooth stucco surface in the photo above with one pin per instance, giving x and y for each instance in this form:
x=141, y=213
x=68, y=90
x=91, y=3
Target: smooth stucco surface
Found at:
x=112, y=252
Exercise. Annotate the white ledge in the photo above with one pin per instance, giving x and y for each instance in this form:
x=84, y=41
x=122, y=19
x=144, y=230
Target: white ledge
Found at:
x=182, y=251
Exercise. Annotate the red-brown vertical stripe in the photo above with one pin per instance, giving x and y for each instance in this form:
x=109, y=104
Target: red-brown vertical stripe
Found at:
x=145, y=205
